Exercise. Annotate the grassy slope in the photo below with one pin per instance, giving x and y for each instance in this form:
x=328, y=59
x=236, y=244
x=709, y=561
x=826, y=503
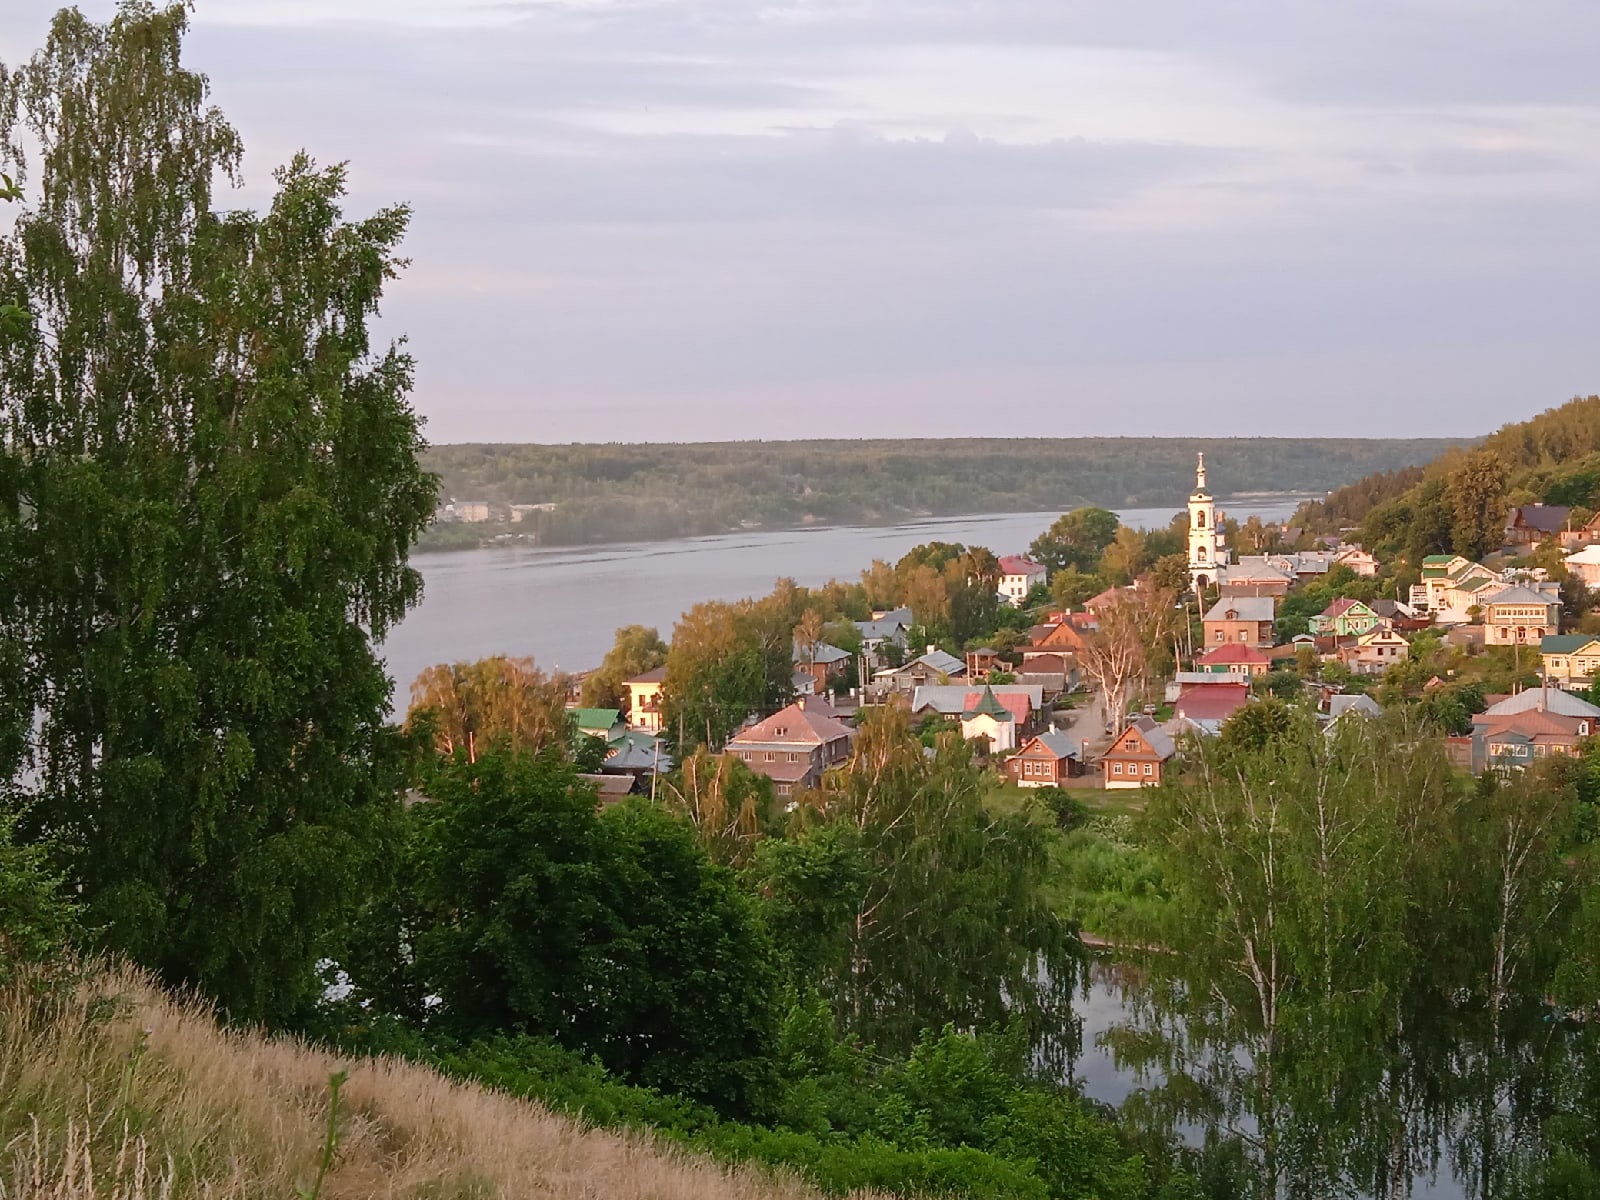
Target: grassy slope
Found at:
x=201, y=1111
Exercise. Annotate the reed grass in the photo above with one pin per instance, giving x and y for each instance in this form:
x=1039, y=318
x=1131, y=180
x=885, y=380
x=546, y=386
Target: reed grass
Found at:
x=111, y=1088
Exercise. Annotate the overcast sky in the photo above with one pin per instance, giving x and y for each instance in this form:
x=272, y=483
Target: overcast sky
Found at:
x=702, y=219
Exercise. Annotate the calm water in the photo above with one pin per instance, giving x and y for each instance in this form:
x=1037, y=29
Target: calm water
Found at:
x=561, y=605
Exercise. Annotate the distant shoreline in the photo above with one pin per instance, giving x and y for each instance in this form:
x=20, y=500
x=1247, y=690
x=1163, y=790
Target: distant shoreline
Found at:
x=491, y=536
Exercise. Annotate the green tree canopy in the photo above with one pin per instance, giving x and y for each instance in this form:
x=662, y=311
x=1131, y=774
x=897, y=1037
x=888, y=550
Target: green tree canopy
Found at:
x=209, y=485
x=1076, y=540
x=635, y=650
x=614, y=933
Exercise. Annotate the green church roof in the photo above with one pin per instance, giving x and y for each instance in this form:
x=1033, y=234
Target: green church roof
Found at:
x=989, y=704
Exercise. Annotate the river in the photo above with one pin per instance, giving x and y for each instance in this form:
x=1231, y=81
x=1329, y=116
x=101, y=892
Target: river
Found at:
x=561, y=605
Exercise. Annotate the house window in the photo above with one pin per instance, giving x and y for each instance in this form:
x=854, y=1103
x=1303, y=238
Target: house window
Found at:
x=1241, y=635
x=1221, y=636
x=1200, y=523
x=1116, y=768
x=1149, y=768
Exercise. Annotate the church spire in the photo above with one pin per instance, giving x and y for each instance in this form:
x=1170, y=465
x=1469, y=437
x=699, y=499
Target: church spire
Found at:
x=1200, y=472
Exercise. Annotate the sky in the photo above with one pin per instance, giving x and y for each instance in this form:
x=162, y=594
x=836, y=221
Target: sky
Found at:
x=690, y=220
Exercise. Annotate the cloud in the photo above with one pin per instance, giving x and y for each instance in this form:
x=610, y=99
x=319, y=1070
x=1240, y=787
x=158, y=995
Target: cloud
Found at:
x=704, y=218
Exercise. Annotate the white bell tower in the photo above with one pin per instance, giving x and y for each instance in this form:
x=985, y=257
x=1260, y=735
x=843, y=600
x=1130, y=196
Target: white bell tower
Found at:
x=1207, y=551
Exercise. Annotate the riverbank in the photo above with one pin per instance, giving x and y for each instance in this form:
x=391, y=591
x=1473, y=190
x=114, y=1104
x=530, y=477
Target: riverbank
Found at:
x=562, y=605
x=444, y=537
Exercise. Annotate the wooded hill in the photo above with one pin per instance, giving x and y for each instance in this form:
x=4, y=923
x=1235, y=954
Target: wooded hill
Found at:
x=618, y=492
x=1458, y=501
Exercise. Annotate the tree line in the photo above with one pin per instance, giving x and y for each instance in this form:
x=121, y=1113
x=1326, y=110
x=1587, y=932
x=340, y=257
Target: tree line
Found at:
x=621, y=492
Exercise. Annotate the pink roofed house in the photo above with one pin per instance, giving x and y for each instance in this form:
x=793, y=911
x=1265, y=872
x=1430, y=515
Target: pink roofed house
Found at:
x=1018, y=577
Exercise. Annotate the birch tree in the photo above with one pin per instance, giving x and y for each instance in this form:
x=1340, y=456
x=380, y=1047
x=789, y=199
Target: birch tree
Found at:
x=208, y=487
x=1290, y=873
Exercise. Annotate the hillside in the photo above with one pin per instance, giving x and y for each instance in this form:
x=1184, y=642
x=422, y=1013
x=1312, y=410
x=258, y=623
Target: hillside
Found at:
x=115, y=1089
x=637, y=492
x=1551, y=458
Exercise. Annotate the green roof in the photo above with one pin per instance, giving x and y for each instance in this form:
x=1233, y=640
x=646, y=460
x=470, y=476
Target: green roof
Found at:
x=989, y=704
x=1565, y=643
x=1437, y=558
x=596, y=718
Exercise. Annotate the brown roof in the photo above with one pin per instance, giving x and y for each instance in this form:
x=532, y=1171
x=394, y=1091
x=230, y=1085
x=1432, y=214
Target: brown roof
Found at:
x=653, y=676
x=802, y=723
x=1532, y=724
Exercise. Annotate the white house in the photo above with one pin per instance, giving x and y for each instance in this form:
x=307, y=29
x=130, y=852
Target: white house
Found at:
x=1018, y=577
x=991, y=721
x=1585, y=564
x=1358, y=560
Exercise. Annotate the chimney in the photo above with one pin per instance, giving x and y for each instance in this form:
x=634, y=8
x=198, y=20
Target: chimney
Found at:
x=800, y=703
x=931, y=647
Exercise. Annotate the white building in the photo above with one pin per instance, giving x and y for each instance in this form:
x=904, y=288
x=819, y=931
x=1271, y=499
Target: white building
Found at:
x=1585, y=564
x=1018, y=577
x=1208, y=549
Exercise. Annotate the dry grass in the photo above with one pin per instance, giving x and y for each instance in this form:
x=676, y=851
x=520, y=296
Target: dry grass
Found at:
x=112, y=1089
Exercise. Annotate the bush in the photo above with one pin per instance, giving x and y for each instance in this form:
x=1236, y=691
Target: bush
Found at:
x=36, y=919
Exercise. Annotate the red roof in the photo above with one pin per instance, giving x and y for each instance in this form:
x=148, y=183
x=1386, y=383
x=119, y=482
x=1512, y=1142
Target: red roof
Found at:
x=1338, y=608
x=1016, y=703
x=1234, y=652
x=1016, y=564
x=1211, y=701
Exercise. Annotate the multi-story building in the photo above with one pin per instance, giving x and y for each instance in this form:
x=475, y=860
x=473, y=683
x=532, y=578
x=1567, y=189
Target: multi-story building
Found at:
x=1519, y=616
x=644, y=700
x=1248, y=620
x=1018, y=577
x=794, y=746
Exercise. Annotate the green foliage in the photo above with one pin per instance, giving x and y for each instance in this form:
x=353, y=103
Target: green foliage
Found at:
x=1104, y=881
x=1077, y=540
x=910, y=902
x=1285, y=685
x=613, y=933
x=1358, y=952
x=637, y=649
x=1477, y=494
x=1256, y=727
x=208, y=492
x=1065, y=809
x=36, y=919
x=958, y=1118
x=727, y=661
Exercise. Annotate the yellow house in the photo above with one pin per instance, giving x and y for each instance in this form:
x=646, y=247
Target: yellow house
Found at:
x=644, y=700
x=1571, y=658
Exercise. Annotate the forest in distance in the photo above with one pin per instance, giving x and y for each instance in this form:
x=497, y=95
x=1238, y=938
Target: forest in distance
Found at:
x=651, y=492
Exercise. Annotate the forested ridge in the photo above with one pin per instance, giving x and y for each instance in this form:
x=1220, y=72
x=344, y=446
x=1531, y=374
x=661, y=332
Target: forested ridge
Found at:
x=1457, y=502
x=623, y=492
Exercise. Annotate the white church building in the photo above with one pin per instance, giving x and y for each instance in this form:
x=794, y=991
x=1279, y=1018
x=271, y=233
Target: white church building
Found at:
x=1208, y=547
